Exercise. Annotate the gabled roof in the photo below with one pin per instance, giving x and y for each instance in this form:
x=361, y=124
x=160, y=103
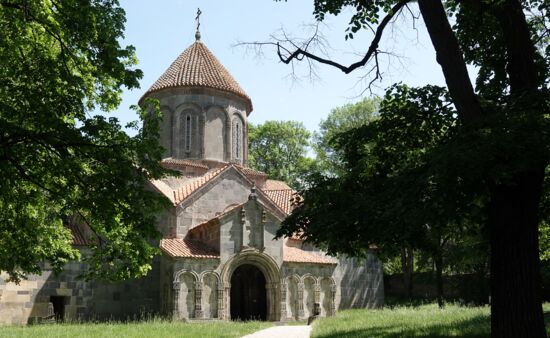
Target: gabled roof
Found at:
x=186, y=248
x=297, y=255
x=198, y=67
x=183, y=192
x=180, y=194
x=281, y=199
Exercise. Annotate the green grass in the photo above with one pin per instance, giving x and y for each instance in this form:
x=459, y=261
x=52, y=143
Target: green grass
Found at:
x=421, y=321
x=153, y=328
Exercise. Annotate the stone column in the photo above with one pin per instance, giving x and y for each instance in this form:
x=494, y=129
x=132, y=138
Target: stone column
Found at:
x=317, y=303
x=227, y=301
x=300, y=300
x=220, y=303
x=175, y=306
x=283, y=300
x=332, y=300
x=198, y=300
x=272, y=301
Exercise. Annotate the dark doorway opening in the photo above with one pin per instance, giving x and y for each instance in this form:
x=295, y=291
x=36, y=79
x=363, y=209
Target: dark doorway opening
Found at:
x=248, y=294
x=58, y=303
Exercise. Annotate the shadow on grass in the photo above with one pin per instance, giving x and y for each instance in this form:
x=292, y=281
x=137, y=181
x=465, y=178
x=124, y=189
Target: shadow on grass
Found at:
x=475, y=327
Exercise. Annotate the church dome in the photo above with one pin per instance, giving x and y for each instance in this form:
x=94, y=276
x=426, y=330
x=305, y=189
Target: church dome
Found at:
x=198, y=67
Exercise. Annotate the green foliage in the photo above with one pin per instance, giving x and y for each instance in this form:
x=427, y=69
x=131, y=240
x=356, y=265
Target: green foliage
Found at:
x=340, y=120
x=58, y=62
x=279, y=148
x=389, y=195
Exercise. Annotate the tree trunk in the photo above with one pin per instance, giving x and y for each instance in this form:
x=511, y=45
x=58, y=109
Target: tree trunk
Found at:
x=407, y=266
x=516, y=309
x=449, y=56
x=438, y=260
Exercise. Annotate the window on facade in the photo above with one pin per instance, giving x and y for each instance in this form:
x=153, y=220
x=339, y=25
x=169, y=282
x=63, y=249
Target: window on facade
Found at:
x=237, y=139
x=188, y=133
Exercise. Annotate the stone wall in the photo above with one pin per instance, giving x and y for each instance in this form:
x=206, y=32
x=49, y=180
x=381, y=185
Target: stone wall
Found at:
x=134, y=298
x=31, y=300
x=224, y=192
x=211, y=113
x=361, y=282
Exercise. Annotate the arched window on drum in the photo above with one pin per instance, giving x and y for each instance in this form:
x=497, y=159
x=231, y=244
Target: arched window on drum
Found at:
x=188, y=130
x=237, y=139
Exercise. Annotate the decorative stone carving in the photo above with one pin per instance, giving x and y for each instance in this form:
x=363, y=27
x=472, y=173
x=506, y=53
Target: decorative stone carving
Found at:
x=300, y=300
x=175, y=306
x=198, y=300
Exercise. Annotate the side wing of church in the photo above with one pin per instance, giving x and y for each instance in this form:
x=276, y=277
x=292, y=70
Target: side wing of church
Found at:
x=219, y=258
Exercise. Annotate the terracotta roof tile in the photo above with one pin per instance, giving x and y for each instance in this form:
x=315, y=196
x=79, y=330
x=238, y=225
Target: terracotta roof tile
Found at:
x=164, y=189
x=275, y=185
x=185, y=163
x=296, y=255
x=78, y=237
x=282, y=198
x=250, y=172
x=186, y=248
x=198, y=67
x=187, y=189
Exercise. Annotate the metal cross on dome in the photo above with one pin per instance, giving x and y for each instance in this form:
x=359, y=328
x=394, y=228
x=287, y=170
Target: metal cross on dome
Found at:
x=197, y=18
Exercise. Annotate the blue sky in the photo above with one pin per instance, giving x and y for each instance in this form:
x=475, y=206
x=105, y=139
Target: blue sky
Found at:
x=162, y=29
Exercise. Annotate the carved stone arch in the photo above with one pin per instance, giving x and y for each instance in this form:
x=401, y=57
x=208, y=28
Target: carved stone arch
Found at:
x=309, y=297
x=196, y=113
x=238, y=140
x=308, y=275
x=188, y=106
x=268, y=266
x=294, y=277
x=211, y=297
x=206, y=272
x=327, y=296
x=293, y=296
x=182, y=271
x=264, y=262
x=186, y=283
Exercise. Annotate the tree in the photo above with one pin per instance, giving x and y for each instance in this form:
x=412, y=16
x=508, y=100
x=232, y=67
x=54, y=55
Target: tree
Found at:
x=506, y=116
x=340, y=120
x=279, y=148
x=59, y=61
x=394, y=196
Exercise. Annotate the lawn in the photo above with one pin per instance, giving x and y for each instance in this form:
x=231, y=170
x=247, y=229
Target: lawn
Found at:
x=154, y=328
x=421, y=321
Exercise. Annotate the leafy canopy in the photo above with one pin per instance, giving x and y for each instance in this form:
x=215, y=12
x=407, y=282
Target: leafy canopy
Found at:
x=279, y=148
x=59, y=61
x=389, y=194
x=340, y=120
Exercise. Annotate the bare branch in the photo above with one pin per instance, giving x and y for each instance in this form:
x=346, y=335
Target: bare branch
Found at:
x=373, y=48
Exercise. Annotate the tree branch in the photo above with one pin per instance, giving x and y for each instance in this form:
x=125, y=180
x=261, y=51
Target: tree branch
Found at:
x=300, y=53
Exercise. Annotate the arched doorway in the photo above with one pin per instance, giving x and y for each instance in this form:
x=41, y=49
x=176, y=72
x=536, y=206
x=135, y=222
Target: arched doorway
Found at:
x=248, y=294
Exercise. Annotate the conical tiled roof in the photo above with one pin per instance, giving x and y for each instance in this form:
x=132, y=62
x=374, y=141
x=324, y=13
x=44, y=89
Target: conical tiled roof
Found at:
x=198, y=67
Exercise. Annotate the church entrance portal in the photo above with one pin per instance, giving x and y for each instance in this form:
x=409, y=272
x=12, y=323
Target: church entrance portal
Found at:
x=248, y=294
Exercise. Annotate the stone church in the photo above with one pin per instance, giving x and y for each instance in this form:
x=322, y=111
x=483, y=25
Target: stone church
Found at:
x=219, y=259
